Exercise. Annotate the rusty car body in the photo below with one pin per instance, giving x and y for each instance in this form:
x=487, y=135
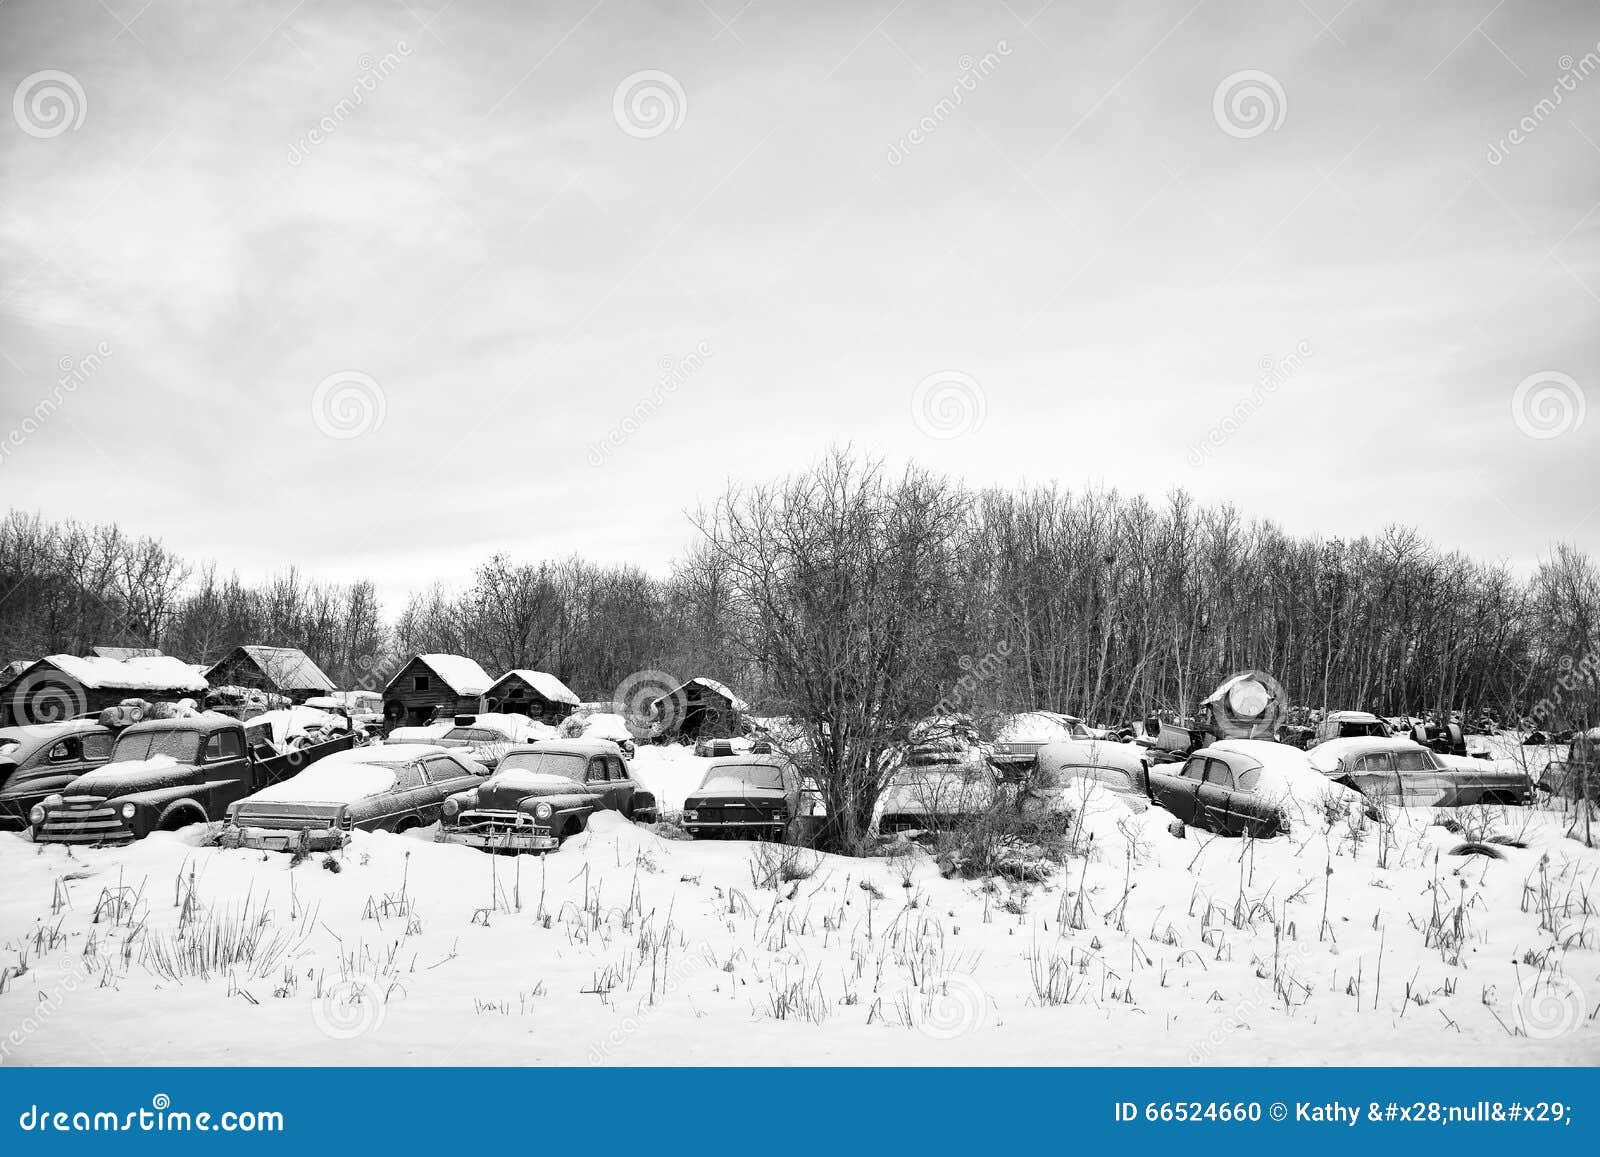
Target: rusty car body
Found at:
x=1405, y=773
x=750, y=796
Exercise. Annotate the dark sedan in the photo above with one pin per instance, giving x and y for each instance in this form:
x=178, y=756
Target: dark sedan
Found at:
x=749, y=796
x=38, y=760
x=393, y=788
x=543, y=792
x=1246, y=787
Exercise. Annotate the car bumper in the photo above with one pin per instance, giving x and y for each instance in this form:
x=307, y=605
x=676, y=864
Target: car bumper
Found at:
x=284, y=839
x=521, y=841
x=732, y=827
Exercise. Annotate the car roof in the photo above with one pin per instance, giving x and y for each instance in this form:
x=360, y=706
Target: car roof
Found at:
x=207, y=721
x=584, y=747
x=1336, y=751
x=1353, y=717
x=748, y=761
x=39, y=733
x=1093, y=752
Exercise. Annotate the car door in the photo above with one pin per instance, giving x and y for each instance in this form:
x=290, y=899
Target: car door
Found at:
x=622, y=786
x=1180, y=794
x=442, y=776
x=1422, y=779
x=1375, y=778
x=1214, y=799
x=598, y=778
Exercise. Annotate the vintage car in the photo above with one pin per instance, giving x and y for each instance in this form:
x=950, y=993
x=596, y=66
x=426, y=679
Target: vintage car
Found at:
x=1571, y=779
x=750, y=796
x=1348, y=725
x=1405, y=773
x=543, y=792
x=1082, y=770
x=39, y=760
x=1250, y=787
x=391, y=788
x=165, y=774
x=945, y=776
x=487, y=736
x=1019, y=738
x=596, y=724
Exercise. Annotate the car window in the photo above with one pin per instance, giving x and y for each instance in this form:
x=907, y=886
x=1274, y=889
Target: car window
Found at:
x=1249, y=780
x=407, y=775
x=1378, y=763
x=444, y=769
x=618, y=772
x=597, y=770
x=64, y=752
x=1414, y=761
x=1194, y=769
x=183, y=746
x=1219, y=773
x=224, y=745
x=545, y=762
x=96, y=747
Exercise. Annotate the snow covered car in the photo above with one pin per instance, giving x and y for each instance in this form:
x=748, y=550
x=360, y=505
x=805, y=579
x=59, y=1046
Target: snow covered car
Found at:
x=946, y=776
x=392, y=788
x=1074, y=768
x=1405, y=773
x=541, y=793
x=594, y=724
x=488, y=736
x=1247, y=787
x=750, y=796
x=165, y=774
x=1348, y=725
x=39, y=760
x=1571, y=779
x=1019, y=738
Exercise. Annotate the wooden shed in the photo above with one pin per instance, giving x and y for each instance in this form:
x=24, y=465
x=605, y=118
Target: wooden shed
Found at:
x=699, y=708
x=60, y=687
x=536, y=694
x=286, y=671
x=433, y=685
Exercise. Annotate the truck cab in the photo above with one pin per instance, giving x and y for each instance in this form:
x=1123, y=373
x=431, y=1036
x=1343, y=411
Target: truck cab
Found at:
x=165, y=774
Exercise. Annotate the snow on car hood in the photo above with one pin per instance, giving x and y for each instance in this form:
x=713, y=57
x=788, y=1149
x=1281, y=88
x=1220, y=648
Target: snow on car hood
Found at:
x=154, y=772
x=323, y=782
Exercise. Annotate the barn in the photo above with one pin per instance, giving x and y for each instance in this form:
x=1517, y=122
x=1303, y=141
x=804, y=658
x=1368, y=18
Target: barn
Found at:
x=536, y=694
x=432, y=685
x=699, y=708
x=286, y=671
x=63, y=686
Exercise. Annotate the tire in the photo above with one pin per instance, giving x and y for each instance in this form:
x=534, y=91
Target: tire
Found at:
x=1176, y=829
x=180, y=816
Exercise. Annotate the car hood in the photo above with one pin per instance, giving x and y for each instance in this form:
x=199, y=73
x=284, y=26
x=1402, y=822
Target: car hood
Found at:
x=505, y=791
x=117, y=779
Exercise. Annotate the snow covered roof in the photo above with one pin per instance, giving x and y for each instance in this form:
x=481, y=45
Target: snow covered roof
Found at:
x=544, y=683
x=461, y=674
x=154, y=673
x=713, y=686
x=288, y=668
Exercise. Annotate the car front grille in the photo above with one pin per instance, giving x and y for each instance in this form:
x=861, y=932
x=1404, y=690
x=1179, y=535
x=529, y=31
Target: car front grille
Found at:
x=736, y=814
x=497, y=822
x=83, y=821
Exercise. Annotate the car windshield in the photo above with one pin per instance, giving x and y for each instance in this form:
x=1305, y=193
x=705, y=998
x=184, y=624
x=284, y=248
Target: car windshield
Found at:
x=183, y=746
x=741, y=776
x=545, y=762
x=475, y=734
x=1359, y=728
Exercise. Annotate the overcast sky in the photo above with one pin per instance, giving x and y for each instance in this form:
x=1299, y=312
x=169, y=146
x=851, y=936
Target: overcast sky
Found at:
x=371, y=286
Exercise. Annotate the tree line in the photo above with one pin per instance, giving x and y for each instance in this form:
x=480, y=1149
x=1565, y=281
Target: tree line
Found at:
x=855, y=596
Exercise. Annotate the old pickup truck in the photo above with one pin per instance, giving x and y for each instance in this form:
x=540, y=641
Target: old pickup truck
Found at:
x=165, y=774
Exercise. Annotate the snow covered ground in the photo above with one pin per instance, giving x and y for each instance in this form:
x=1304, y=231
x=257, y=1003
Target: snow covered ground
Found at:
x=1333, y=946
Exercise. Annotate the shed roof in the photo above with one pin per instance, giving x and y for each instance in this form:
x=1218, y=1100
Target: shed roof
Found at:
x=156, y=673
x=287, y=668
x=461, y=674
x=544, y=683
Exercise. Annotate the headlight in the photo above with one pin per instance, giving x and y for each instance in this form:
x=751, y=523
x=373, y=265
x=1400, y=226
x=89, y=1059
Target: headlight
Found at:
x=452, y=807
x=36, y=814
x=128, y=811
x=690, y=814
x=543, y=811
